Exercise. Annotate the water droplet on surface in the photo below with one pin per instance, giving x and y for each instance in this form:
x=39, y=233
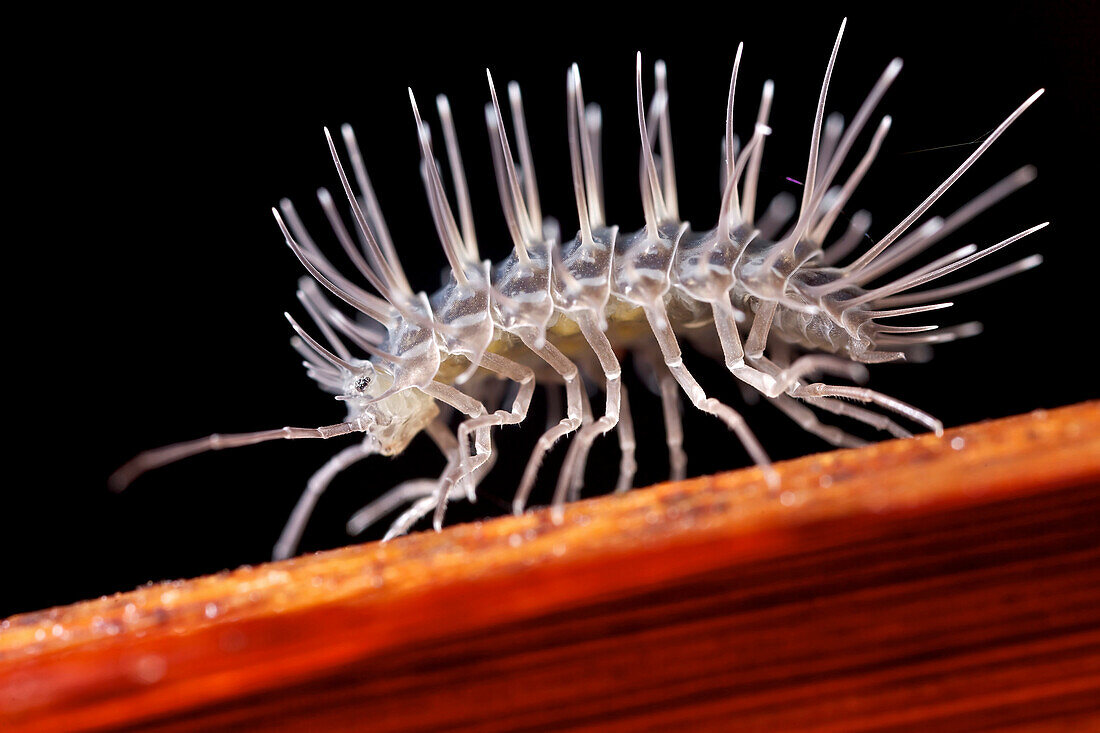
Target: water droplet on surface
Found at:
x=40, y=635
x=277, y=577
x=787, y=498
x=150, y=668
x=57, y=630
x=825, y=481
x=211, y=610
x=515, y=540
x=958, y=443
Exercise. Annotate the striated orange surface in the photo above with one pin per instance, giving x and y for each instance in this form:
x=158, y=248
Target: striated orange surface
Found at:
x=946, y=582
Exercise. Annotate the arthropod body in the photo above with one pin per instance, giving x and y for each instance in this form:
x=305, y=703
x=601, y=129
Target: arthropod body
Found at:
x=764, y=293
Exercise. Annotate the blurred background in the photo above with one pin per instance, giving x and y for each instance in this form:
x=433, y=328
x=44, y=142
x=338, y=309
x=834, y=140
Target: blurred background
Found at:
x=158, y=143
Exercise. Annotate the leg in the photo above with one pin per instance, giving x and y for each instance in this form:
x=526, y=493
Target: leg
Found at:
x=477, y=420
x=875, y=420
x=417, y=511
x=522, y=401
x=395, y=497
x=574, y=463
x=861, y=394
x=468, y=482
x=810, y=363
x=627, y=465
x=809, y=422
x=318, y=482
x=452, y=485
x=445, y=440
x=510, y=370
x=578, y=455
x=609, y=363
x=880, y=422
x=674, y=429
x=758, y=334
x=670, y=350
x=474, y=410
x=569, y=373
x=725, y=322
x=553, y=405
x=785, y=378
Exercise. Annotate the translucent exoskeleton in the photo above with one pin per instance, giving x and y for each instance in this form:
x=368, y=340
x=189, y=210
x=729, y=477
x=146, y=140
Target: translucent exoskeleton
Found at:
x=766, y=295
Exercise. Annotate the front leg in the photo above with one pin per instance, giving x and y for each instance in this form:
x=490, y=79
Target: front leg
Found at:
x=476, y=426
x=318, y=482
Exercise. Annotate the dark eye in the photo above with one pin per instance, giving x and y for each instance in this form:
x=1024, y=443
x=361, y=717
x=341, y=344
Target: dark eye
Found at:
x=361, y=384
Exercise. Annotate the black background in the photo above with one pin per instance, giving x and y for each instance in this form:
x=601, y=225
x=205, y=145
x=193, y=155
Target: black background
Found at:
x=157, y=277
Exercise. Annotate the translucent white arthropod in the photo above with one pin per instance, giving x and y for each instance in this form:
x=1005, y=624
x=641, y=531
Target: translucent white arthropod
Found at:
x=767, y=295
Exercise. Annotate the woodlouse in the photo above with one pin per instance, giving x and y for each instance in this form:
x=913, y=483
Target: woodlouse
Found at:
x=557, y=311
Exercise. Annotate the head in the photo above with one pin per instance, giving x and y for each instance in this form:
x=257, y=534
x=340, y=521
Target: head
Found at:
x=392, y=418
x=389, y=416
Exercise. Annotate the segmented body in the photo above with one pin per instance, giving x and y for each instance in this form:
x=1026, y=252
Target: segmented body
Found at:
x=558, y=312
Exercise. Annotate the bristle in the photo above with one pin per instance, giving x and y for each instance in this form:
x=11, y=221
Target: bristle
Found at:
x=453, y=246
x=815, y=140
x=937, y=271
x=579, y=169
x=897, y=231
x=730, y=201
x=652, y=199
x=377, y=223
x=668, y=168
x=856, y=127
x=752, y=175
x=592, y=182
x=388, y=270
x=522, y=216
x=531, y=189
x=950, y=291
x=593, y=117
x=828, y=217
x=362, y=306
x=458, y=175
